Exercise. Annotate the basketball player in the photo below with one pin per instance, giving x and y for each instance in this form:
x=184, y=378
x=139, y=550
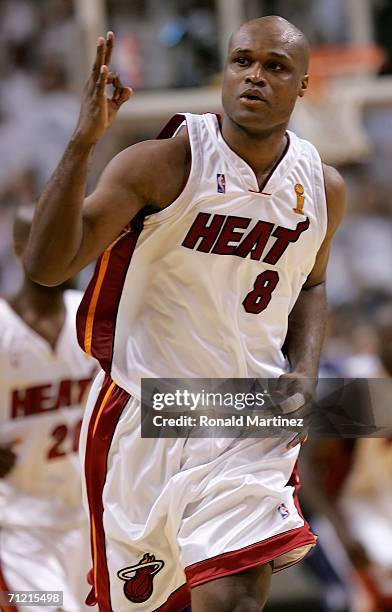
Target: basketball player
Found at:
x=44, y=378
x=228, y=267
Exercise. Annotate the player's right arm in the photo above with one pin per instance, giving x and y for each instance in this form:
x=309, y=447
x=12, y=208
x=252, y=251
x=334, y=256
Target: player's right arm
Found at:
x=70, y=230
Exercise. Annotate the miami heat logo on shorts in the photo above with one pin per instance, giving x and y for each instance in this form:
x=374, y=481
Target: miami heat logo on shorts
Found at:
x=138, y=578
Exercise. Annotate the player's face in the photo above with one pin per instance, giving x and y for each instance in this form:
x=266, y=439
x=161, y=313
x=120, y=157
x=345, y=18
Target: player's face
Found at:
x=263, y=77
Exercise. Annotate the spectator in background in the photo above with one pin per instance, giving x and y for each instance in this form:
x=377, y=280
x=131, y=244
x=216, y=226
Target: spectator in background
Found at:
x=20, y=190
x=18, y=20
x=347, y=485
x=323, y=21
x=61, y=37
x=35, y=137
x=53, y=119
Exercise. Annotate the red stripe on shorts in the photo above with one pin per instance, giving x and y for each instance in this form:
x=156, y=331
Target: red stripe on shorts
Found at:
x=107, y=411
x=178, y=600
x=258, y=553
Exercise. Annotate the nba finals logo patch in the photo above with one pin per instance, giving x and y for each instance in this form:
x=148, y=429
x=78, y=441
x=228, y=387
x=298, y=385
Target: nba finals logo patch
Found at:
x=221, y=183
x=283, y=511
x=300, y=191
x=138, y=578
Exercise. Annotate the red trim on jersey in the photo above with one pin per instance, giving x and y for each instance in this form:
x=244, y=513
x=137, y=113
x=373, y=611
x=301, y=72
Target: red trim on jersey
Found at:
x=4, y=587
x=107, y=411
x=97, y=313
x=255, y=554
x=179, y=599
x=171, y=126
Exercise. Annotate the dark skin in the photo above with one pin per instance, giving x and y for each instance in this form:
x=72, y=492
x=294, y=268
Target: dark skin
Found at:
x=268, y=56
x=41, y=308
x=267, y=59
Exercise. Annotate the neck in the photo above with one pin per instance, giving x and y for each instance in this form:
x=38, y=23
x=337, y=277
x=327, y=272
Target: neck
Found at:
x=261, y=149
x=40, y=300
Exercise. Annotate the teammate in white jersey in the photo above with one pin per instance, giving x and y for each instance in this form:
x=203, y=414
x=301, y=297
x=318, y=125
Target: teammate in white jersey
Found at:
x=225, y=278
x=44, y=380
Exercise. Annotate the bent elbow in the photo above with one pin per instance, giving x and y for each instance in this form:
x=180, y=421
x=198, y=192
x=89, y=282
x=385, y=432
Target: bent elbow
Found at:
x=41, y=275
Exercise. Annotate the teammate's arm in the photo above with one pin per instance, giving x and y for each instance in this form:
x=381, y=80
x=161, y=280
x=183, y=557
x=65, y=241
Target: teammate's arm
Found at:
x=307, y=321
x=69, y=230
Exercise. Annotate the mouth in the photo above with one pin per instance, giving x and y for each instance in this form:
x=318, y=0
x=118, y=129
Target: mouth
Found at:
x=252, y=97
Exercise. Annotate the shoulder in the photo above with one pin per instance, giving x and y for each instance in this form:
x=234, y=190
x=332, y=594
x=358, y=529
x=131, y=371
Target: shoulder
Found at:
x=169, y=154
x=154, y=169
x=334, y=182
x=156, y=150
x=336, y=195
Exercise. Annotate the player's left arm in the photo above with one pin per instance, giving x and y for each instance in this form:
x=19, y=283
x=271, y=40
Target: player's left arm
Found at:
x=307, y=320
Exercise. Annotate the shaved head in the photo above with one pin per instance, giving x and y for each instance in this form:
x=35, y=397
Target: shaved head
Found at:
x=284, y=32
x=266, y=71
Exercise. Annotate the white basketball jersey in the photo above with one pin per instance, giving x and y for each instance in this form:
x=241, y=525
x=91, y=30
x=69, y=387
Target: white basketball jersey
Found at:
x=204, y=287
x=42, y=394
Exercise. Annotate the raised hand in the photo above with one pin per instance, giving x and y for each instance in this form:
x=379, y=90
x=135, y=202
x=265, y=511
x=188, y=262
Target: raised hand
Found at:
x=98, y=111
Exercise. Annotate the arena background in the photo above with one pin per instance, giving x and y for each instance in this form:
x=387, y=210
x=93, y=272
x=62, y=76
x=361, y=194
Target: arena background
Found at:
x=171, y=53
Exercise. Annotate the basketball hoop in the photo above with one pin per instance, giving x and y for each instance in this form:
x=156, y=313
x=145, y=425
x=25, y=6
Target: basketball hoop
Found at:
x=335, y=62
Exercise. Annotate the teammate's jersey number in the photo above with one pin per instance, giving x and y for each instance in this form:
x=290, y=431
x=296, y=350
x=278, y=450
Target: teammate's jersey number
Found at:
x=65, y=440
x=258, y=299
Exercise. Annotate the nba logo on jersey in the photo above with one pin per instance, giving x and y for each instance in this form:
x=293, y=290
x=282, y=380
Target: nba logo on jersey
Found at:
x=221, y=183
x=283, y=511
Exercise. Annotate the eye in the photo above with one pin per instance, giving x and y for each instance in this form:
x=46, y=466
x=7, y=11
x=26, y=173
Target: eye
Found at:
x=242, y=61
x=275, y=66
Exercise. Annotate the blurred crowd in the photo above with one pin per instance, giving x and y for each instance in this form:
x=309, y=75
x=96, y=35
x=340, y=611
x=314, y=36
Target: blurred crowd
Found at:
x=38, y=107
x=172, y=45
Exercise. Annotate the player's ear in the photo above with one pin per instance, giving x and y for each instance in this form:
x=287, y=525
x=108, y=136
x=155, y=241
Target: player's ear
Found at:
x=303, y=85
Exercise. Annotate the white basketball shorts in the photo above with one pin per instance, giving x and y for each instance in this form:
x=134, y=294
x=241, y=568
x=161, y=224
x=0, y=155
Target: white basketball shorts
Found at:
x=44, y=559
x=170, y=514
